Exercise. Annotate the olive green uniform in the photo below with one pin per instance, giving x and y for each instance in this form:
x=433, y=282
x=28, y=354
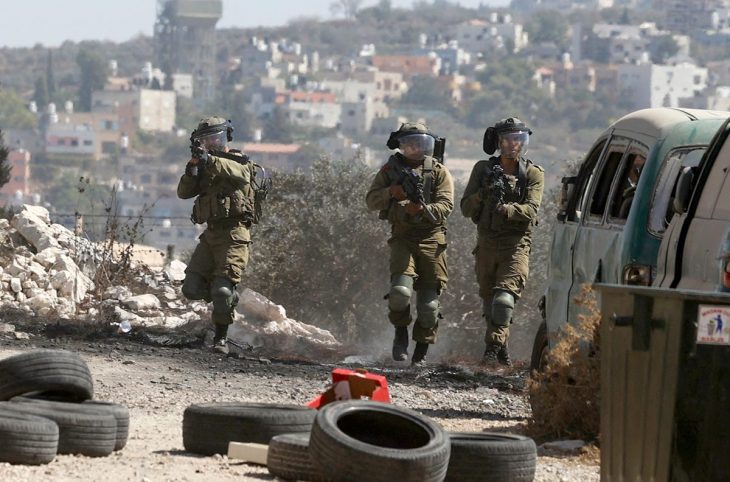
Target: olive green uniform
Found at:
x=224, y=202
x=417, y=245
x=503, y=248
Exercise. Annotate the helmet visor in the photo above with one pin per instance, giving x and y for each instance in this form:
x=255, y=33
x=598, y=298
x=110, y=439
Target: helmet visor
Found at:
x=213, y=141
x=513, y=143
x=416, y=146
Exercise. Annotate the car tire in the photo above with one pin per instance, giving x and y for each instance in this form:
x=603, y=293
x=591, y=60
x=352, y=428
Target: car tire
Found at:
x=289, y=458
x=495, y=457
x=59, y=372
x=540, y=348
x=119, y=412
x=209, y=427
x=377, y=442
x=80, y=433
x=27, y=439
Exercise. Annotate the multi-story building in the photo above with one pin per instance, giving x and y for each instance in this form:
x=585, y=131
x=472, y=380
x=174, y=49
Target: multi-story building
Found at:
x=144, y=109
x=651, y=85
x=18, y=187
x=274, y=157
x=408, y=65
x=315, y=109
x=497, y=32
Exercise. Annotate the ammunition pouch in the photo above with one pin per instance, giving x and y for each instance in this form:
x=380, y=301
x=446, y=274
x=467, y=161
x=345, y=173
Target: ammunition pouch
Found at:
x=214, y=207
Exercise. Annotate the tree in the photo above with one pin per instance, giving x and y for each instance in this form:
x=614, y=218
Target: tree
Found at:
x=428, y=92
x=277, y=127
x=348, y=8
x=663, y=48
x=40, y=94
x=50, y=78
x=13, y=111
x=4, y=164
x=93, y=76
x=547, y=26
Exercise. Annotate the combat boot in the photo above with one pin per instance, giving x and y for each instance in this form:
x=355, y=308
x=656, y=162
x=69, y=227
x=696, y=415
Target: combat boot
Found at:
x=419, y=354
x=503, y=356
x=220, y=343
x=400, y=344
x=490, y=354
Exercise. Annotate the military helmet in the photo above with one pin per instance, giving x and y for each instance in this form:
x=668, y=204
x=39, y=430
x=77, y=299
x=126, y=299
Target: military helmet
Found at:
x=414, y=140
x=213, y=132
x=493, y=135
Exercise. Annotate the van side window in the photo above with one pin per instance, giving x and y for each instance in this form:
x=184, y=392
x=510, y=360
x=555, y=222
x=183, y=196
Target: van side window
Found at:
x=661, y=208
x=623, y=195
x=584, y=177
x=602, y=187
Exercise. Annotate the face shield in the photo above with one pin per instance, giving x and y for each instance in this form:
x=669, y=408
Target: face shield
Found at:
x=212, y=140
x=512, y=144
x=416, y=147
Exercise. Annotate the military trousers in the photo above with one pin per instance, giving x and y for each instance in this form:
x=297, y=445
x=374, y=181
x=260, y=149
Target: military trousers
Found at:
x=425, y=262
x=500, y=264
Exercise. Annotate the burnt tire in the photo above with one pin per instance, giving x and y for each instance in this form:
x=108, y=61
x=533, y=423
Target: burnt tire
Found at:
x=80, y=433
x=27, y=439
x=209, y=427
x=61, y=373
x=289, y=458
x=378, y=442
x=493, y=457
x=539, y=348
x=119, y=412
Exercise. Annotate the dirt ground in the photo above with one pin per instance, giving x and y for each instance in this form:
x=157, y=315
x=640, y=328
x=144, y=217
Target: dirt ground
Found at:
x=158, y=383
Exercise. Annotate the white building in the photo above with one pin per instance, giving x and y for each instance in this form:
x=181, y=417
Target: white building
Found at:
x=652, y=85
x=480, y=35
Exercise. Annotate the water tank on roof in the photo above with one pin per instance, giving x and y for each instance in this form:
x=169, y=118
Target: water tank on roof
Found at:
x=33, y=107
x=566, y=58
x=422, y=39
x=68, y=107
x=113, y=68
x=494, y=17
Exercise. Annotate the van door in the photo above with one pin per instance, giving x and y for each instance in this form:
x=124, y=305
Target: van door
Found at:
x=595, y=236
x=560, y=273
x=707, y=233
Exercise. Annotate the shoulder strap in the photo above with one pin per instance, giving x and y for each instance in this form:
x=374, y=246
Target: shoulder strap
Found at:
x=522, y=177
x=233, y=155
x=427, y=178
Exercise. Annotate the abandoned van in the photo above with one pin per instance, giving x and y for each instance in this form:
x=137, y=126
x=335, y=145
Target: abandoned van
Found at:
x=613, y=213
x=695, y=254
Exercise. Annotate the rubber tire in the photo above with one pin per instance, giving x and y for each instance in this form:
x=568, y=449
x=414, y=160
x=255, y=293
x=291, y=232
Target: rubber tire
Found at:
x=493, y=457
x=289, y=458
x=60, y=372
x=377, y=442
x=539, y=348
x=209, y=427
x=93, y=435
x=26, y=439
x=119, y=412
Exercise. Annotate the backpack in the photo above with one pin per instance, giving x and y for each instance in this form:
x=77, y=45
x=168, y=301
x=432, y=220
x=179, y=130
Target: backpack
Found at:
x=260, y=184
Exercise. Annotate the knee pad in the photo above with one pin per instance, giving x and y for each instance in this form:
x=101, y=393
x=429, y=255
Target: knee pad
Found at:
x=503, y=305
x=222, y=291
x=428, y=307
x=401, y=289
x=195, y=287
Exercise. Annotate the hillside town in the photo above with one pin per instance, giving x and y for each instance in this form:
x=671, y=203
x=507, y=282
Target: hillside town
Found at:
x=347, y=103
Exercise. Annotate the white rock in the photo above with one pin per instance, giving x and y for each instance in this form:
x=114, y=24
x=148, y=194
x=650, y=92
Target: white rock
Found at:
x=175, y=271
x=142, y=302
x=37, y=211
x=20, y=297
x=257, y=306
x=564, y=445
x=117, y=292
x=15, y=267
x=47, y=257
x=35, y=229
x=123, y=315
x=16, y=285
x=41, y=304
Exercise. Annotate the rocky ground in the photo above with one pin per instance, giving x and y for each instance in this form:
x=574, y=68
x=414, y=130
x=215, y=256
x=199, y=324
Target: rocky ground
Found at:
x=157, y=383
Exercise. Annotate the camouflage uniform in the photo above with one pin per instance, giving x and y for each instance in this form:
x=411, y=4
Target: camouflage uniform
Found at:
x=224, y=202
x=504, y=239
x=417, y=245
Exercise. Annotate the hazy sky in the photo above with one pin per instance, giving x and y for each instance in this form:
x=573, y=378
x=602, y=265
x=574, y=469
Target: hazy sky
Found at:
x=24, y=23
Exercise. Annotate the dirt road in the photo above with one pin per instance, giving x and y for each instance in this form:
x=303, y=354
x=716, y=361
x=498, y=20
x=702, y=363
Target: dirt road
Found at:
x=158, y=383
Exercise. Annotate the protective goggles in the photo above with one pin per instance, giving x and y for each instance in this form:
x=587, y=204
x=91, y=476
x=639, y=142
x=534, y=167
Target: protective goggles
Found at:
x=215, y=140
x=521, y=137
x=416, y=146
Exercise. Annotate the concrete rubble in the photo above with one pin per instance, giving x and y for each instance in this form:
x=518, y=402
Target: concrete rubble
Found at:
x=47, y=271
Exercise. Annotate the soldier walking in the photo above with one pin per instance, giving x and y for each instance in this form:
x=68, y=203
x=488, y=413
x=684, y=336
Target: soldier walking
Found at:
x=415, y=193
x=221, y=179
x=502, y=198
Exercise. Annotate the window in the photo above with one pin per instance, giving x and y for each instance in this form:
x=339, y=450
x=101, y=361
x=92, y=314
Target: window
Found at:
x=623, y=195
x=585, y=175
x=602, y=187
x=661, y=209
x=88, y=143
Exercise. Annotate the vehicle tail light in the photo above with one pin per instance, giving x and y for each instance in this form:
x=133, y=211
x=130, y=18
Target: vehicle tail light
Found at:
x=637, y=274
x=726, y=275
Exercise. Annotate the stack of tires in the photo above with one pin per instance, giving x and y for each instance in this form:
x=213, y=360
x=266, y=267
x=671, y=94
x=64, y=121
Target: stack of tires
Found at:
x=46, y=408
x=358, y=440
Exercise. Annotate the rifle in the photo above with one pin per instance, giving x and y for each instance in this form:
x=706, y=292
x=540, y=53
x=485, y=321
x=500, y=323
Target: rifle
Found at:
x=439, y=148
x=495, y=182
x=413, y=187
x=198, y=152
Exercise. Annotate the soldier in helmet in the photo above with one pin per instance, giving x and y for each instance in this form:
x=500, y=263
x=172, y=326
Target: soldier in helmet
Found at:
x=418, y=234
x=220, y=180
x=502, y=197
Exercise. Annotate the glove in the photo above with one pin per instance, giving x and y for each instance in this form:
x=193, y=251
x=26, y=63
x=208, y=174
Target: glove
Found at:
x=414, y=209
x=192, y=169
x=397, y=192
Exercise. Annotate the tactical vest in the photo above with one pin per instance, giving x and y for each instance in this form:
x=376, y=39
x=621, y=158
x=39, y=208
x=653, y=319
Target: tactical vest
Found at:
x=226, y=201
x=394, y=177
x=522, y=167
